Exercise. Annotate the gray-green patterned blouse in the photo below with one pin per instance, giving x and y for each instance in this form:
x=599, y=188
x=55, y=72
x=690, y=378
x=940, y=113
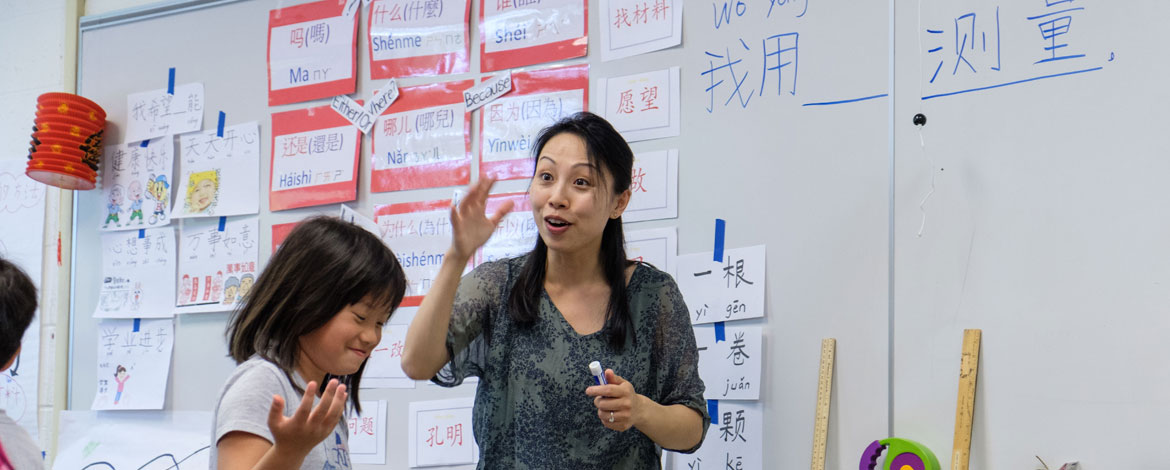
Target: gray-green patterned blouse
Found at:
x=531, y=410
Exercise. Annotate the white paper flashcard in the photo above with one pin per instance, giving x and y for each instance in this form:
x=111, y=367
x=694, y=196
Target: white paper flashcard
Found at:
x=509, y=125
x=22, y=215
x=440, y=433
x=641, y=106
x=631, y=27
x=653, y=187
x=352, y=216
x=133, y=363
x=384, y=368
x=423, y=140
x=138, y=274
x=312, y=52
x=218, y=175
x=518, y=32
x=218, y=262
x=517, y=232
x=314, y=159
x=732, y=289
x=367, y=433
x=734, y=440
x=420, y=233
x=136, y=184
x=730, y=360
x=133, y=439
x=157, y=113
x=657, y=246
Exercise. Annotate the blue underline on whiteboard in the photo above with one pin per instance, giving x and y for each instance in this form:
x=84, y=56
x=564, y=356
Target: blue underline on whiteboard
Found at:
x=853, y=100
x=1017, y=82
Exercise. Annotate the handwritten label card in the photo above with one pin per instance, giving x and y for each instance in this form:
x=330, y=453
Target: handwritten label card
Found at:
x=657, y=246
x=642, y=106
x=138, y=274
x=219, y=174
x=489, y=90
x=133, y=362
x=509, y=125
x=732, y=289
x=440, y=433
x=423, y=140
x=410, y=38
x=515, y=33
x=312, y=52
x=631, y=27
x=653, y=187
x=157, y=113
x=367, y=433
x=383, y=98
x=353, y=112
x=136, y=185
x=217, y=263
x=420, y=233
x=730, y=361
x=314, y=159
x=384, y=369
x=734, y=440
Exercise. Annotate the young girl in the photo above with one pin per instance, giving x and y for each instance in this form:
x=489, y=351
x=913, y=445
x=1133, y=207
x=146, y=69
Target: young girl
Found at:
x=528, y=327
x=313, y=317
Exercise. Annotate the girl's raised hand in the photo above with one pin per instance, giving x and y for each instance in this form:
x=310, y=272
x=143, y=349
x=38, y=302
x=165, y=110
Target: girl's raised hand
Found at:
x=308, y=425
x=470, y=227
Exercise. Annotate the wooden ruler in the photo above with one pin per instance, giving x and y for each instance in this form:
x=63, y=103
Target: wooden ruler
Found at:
x=824, y=391
x=965, y=409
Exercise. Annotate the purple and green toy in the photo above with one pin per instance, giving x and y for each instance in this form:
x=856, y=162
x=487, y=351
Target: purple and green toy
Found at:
x=904, y=455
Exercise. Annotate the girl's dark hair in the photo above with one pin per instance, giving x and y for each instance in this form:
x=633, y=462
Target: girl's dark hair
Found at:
x=607, y=150
x=18, y=304
x=324, y=265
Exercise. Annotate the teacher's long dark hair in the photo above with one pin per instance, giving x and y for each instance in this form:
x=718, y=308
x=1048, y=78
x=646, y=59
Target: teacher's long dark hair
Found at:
x=606, y=149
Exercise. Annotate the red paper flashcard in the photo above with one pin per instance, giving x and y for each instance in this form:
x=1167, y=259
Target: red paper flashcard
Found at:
x=423, y=140
x=312, y=52
x=419, y=233
x=314, y=159
x=517, y=232
x=516, y=33
x=280, y=232
x=510, y=124
x=409, y=38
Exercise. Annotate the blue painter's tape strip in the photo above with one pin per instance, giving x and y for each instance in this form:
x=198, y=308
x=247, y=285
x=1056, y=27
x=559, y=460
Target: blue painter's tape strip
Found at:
x=713, y=410
x=141, y=233
x=720, y=228
x=171, y=82
x=219, y=128
x=720, y=333
x=137, y=324
x=145, y=143
x=222, y=222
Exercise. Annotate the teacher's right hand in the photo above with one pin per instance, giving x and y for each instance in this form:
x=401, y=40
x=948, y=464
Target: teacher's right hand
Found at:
x=470, y=226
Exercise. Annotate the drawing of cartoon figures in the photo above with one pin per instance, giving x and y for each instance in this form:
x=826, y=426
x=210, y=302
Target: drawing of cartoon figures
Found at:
x=114, y=207
x=135, y=190
x=217, y=286
x=137, y=302
x=202, y=192
x=159, y=190
x=120, y=376
x=246, y=282
x=231, y=288
x=186, y=292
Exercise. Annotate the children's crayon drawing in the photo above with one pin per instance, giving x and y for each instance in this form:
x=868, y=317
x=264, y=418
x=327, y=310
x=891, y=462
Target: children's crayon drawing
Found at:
x=136, y=185
x=217, y=263
x=133, y=362
x=220, y=174
x=138, y=271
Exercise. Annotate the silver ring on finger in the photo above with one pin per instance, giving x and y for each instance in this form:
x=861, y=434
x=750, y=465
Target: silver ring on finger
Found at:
x=611, y=416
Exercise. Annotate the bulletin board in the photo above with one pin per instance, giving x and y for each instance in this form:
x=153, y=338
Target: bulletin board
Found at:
x=784, y=134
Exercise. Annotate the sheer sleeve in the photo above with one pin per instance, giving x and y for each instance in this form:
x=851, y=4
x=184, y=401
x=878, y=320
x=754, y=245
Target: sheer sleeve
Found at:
x=678, y=354
x=480, y=293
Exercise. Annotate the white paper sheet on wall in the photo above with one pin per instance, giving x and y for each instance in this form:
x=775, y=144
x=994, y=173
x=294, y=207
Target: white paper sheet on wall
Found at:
x=734, y=440
x=218, y=263
x=632, y=27
x=732, y=289
x=657, y=246
x=730, y=361
x=22, y=215
x=641, y=106
x=156, y=113
x=138, y=274
x=367, y=434
x=653, y=187
x=440, y=433
x=133, y=363
x=219, y=175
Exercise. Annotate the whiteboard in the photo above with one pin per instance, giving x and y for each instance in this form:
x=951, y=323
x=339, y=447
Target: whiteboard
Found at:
x=803, y=166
